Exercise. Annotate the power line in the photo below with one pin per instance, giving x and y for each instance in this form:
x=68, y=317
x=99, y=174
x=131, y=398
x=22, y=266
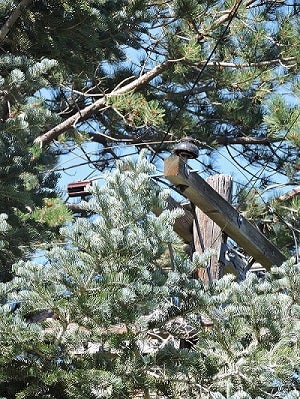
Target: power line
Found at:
x=188, y=95
x=267, y=165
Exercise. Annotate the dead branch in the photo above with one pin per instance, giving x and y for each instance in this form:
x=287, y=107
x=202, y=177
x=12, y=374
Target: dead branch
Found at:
x=258, y=64
x=246, y=140
x=290, y=194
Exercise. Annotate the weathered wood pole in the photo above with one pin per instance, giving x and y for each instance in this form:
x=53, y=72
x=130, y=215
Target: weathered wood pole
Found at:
x=235, y=225
x=211, y=235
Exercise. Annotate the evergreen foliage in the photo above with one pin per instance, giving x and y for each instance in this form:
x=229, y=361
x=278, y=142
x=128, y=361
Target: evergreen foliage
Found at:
x=23, y=170
x=230, y=78
x=113, y=310
x=102, y=318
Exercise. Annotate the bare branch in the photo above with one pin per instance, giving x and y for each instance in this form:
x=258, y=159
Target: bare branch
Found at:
x=275, y=61
x=227, y=14
x=13, y=18
x=77, y=208
x=290, y=194
x=97, y=105
x=247, y=140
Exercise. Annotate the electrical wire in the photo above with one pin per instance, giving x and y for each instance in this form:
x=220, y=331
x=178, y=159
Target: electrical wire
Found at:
x=280, y=143
x=188, y=95
x=272, y=210
x=155, y=152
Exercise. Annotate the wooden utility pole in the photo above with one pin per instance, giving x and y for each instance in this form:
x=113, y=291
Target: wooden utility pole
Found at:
x=207, y=234
x=231, y=222
x=183, y=225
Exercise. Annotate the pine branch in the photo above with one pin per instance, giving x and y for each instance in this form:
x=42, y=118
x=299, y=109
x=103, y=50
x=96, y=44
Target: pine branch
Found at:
x=13, y=18
x=86, y=112
x=97, y=105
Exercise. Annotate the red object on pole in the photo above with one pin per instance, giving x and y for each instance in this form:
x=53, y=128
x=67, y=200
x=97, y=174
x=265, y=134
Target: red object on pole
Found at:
x=79, y=189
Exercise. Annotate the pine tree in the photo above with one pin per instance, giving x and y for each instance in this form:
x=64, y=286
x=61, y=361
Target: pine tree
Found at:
x=136, y=72
x=109, y=315
x=36, y=38
x=25, y=173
